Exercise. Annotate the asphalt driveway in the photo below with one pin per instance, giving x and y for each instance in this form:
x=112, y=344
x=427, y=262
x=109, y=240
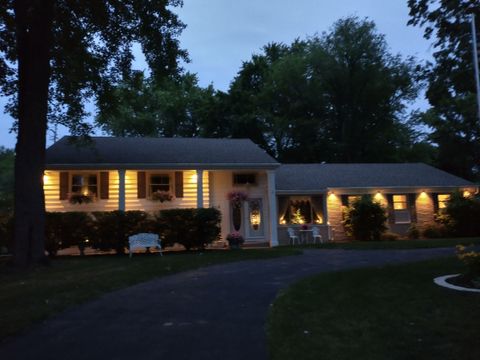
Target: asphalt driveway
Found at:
x=212, y=313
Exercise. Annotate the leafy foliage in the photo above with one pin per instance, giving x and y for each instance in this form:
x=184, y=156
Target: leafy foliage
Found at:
x=365, y=219
x=462, y=214
x=451, y=87
x=337, y=97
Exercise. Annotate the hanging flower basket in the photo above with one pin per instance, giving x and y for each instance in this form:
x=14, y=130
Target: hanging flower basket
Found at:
x=237, y=198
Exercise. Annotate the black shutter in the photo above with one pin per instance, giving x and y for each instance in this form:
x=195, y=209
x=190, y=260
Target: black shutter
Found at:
x=179, y=184
x=345, y=200
x=141, y=185
x=63, y=185
x=435, y=203
x=104, y=185
x=413, y=209
x=391, y=212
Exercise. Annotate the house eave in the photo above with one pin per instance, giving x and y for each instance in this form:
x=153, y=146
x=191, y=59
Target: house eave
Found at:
x=172, y=166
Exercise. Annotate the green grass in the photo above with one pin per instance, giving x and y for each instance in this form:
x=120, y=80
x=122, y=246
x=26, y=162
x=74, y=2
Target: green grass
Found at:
x=394, y=312
x=399, y=244
x=26, y=298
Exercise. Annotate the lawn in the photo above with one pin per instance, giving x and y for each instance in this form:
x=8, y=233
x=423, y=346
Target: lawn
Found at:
x=29, y=297
x=394, y=312
x=399, y=244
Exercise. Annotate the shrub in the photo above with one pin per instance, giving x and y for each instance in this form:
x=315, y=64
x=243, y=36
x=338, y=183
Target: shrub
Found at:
x=66, y=229
x=112, y=229
x=435, y=231
x=365, y=219
x=413, y=232
x=462, y=214
x=471, y=259
x=206, y=226
x=389, y=236
x=192, y=228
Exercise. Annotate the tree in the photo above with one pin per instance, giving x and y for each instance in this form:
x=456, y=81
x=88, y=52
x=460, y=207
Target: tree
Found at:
x=7, y=159
x=145, y=107
x=340, y=96
x=66, y=52
x=451, y=88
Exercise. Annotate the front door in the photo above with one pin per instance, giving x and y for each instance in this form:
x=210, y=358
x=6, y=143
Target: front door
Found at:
x=248, y=219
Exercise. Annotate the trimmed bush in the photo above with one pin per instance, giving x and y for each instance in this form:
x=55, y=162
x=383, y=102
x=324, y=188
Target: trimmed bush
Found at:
x=66, y=229
x=365, y=219
x=192, y=228
x=112, y=229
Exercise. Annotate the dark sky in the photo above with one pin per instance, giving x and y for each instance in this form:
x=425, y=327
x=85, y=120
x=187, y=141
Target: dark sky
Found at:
x=220, y=34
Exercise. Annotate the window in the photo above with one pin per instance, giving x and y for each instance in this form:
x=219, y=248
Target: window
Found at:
x=399, y=202
x=352, y=198
x=244, y=179
x=84, y=184
x=300, y=210
x=159, y=182
x=400, y=209
x=443, y=200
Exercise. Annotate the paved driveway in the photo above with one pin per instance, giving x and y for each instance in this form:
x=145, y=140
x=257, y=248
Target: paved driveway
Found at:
x=213, y=313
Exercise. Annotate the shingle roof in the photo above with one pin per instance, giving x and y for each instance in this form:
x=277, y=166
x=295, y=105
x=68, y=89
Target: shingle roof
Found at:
x=315, y=177
x=111, y=152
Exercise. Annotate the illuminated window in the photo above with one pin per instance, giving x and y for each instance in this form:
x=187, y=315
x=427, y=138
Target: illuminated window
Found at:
x=84, y=184
x=353, y=198
x=299, y=210
x=159, y=182
x=401, y=211
x=443, y=200
x=400, y=202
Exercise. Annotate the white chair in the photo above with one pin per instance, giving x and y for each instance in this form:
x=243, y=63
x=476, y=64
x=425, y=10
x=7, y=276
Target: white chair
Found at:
x=316, y=235
x=293, y=237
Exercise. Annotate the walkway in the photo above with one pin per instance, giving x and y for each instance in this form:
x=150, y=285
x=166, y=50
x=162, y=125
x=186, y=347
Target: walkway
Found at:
x=213, y=313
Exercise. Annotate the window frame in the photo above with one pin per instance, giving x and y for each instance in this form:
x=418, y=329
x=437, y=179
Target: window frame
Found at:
x=442, y=204
x=85, y=184
x=162, y=175
x=314, y=216
x=405, y=211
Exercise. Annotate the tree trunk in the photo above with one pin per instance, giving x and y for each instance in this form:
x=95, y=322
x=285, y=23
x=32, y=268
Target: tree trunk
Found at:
x=33, y=20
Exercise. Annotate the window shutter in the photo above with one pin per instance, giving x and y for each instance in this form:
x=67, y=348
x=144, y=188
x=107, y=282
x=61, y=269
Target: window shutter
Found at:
x=104, y=185
x=391, y=212
x=345, y=200
x=413, y=210
x=141, y=185
x=435, y=203
x=63, y=185
x=179, y=184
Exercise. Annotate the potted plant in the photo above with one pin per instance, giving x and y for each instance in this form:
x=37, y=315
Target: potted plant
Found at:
x=235, y=240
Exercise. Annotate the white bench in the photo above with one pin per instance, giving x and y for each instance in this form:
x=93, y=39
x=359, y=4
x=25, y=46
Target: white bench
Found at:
x=144, y=240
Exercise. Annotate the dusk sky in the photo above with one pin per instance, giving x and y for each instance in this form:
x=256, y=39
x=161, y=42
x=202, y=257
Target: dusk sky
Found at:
x=220, y=34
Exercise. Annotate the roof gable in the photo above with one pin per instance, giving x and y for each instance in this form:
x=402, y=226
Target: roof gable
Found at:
x=111, y=152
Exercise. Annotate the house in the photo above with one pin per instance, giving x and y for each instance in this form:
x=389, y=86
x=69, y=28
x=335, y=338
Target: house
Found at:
x=129, y=173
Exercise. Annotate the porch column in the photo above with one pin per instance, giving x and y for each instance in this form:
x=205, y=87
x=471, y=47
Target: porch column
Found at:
x=121, y=189
x=199, y=188
x=272, y=208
